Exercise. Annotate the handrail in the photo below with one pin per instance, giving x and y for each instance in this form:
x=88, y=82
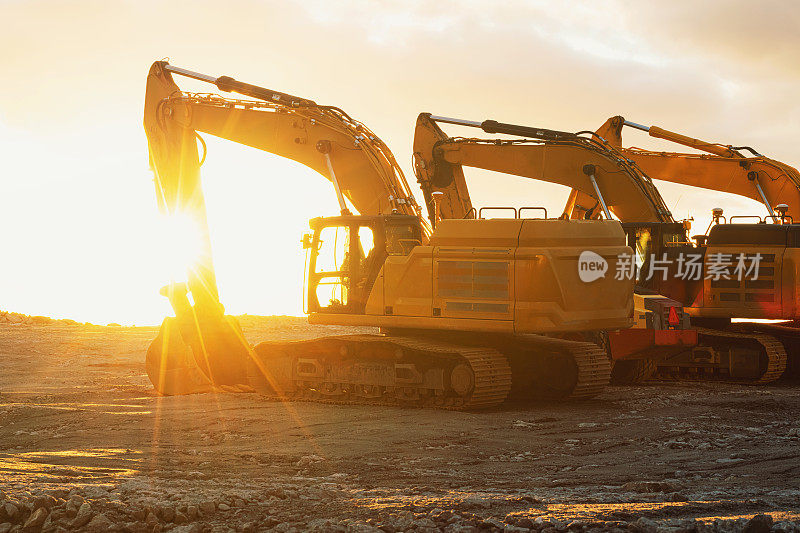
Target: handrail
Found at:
x=760, y=220
x=521, y=209
x=514, y=209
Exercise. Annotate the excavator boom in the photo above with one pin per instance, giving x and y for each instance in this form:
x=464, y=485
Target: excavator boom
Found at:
x=586, y=164
x=324, y=138
x=723, y=168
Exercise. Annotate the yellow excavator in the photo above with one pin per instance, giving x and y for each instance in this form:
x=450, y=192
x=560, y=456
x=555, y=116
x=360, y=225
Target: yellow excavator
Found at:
x=774, y=237
x=471, y=312
x=610, y=185
x=617, y=188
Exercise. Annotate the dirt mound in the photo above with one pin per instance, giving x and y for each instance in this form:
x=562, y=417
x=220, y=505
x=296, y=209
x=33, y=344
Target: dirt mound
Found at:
x=7, y=317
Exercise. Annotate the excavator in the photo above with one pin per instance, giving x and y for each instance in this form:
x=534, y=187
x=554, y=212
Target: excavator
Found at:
x=583, y=163
x=613, y=184
x=471, y=312
x=775, y=236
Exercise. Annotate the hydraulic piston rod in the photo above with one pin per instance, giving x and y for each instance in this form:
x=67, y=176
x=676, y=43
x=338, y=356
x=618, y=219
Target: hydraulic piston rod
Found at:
x=589, y=170
x=753, y=176
x=492, y=126
x=228, y=84
x=691, y=142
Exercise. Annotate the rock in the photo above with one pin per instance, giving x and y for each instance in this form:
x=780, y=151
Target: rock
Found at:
x=11, y=510
x=404, y=520
x=490, y=523
x=45, y=500
x=276, y=492
x=166, y=513
x=180, y=518
x=70, y=509
x=461, y=528
x=647, y=525
x=139, y=514
x=473, y=501
x=224, y=507
x=5, y=527
x=99, y=524
x=527, y=523
x=760, y=523
x=152, y=519
x=649, y=486
x=36, y=520
x=192, y=512
x=238, y=502
x=361, y=527
x=208, y=508
x=307, y=460
x=425, y=524
x=319, y=525
x=188, y=528
x=57, y=514
x=83, y=516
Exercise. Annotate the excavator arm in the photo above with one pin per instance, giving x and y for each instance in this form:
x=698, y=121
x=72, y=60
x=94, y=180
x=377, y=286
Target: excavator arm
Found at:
x=324, y=138
x=607, y=183
x=723, y=168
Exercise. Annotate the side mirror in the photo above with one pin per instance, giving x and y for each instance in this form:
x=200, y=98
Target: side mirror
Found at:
x=307, y=241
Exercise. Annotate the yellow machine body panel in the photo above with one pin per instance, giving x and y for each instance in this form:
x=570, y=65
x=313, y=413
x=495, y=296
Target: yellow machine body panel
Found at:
x=513, y=275
x=773, y=294
x=404, y=285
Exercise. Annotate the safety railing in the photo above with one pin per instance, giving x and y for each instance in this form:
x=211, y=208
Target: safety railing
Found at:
x=518, y=213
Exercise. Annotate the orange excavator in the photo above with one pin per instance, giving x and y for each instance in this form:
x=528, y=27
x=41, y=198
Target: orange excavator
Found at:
x=614, y=185
x=471, y=312
x=773, y=237
x=616, y=188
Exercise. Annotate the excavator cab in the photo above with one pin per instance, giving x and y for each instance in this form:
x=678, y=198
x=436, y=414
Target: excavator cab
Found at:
x=346, y=256
x=660, y=250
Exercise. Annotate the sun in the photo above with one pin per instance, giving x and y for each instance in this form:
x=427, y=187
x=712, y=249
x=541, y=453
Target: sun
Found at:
x=183, y=244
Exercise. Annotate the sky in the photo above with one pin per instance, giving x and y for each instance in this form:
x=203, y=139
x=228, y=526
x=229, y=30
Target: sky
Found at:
x=81, y=236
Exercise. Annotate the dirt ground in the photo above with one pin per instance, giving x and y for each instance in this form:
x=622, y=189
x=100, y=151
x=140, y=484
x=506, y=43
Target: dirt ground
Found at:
x=84, y=443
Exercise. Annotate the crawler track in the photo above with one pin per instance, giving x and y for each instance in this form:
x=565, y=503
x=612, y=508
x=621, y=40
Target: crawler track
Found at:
x=375, y=369
x=425, y=372
x=772, y=348
x=789, y=336
x=584, y=373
